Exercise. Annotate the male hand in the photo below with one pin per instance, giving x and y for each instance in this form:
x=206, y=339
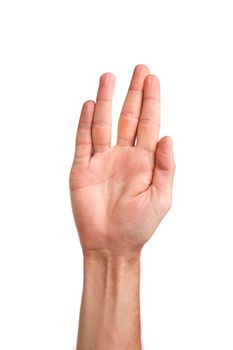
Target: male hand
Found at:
x=120, y=194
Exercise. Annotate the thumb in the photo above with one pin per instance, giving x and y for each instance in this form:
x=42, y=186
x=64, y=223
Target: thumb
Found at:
x=164, y=168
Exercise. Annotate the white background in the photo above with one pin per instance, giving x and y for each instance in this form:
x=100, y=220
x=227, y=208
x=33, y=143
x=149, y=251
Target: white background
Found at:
x=52, y=54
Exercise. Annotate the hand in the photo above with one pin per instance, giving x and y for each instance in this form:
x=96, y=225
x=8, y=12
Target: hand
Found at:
x=120, y=194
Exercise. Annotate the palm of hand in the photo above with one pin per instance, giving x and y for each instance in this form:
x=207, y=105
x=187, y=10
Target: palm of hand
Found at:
x=116, y=201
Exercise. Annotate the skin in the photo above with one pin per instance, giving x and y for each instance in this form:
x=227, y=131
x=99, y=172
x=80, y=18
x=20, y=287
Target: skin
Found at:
x=119, y=195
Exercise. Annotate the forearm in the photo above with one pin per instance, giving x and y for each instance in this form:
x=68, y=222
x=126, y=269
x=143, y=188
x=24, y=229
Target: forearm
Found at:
x=110, y=309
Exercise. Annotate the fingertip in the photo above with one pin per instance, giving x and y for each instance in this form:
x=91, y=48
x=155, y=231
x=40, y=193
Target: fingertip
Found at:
x=142, y=67
x=88, y=109
x=152, y=90
x=107, y=78
x=140, y=72
x=106, y=87
x=169, y=141
x=152, y=80
x=165, y=154
x=89, y=104
x=166, y=142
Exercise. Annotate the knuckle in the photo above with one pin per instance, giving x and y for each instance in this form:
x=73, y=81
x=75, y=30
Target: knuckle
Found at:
x=149, y=121
x=101, y=122
x=84, y=125
x=128, y=114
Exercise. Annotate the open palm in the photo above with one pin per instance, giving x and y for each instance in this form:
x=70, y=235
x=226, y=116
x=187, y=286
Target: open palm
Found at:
x=120, y=194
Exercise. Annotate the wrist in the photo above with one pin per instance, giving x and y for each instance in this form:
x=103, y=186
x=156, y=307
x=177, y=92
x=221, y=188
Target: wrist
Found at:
x=119, y=257
x=110, y=301
x=111, y=298
x=105, y=266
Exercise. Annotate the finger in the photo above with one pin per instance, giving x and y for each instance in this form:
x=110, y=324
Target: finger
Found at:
x=83, y=143
x=101, y=127
x=130, y=113
x=164, y=169
x=149, y=121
